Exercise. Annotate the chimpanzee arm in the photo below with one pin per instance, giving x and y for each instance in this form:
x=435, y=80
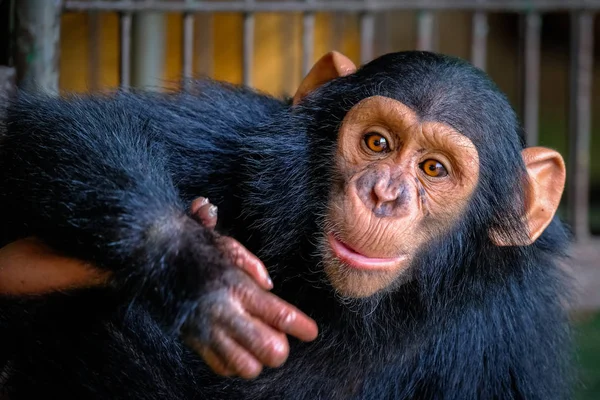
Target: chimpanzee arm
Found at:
x=91, y=179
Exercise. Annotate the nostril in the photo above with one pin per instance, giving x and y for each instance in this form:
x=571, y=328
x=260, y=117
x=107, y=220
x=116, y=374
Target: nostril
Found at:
x=393, y=202
x=401, y=195
x=383, y=210
x=380, y=192
x=385, y=192
x=374, y=197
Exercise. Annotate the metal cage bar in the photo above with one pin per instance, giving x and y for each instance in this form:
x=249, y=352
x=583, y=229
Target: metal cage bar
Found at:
x=426, y=31
x=94, y=50
x=479, y=39
x=248, y=44
x=204, y=43
x=38, y=44
x=582, y=54
x=125, y=22
x=308, y=40
x=383, y=39
x=367, y=36
x=531, y=96
x=188, y=46
x=148, y=50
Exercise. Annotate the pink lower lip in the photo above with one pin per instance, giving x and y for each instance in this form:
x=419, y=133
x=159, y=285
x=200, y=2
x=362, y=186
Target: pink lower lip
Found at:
x=359, y=261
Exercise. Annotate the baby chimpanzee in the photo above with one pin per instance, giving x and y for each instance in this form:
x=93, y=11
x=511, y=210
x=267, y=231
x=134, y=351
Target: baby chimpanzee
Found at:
x=394, y=204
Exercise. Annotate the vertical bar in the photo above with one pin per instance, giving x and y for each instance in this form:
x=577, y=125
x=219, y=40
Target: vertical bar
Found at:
x=125, y=51
x=148, y=45
x=188, y=47
x=291, y=69
x=38, y=44
x=367, y=36
x=204, y=45
x=338, y=27
x=479, y=40
x=426, y=31
x=93, y=50
x=581, y=69
x=308, y=40
x=531, y=98
x=520, y=66
x=248, y=44
x=383, y=43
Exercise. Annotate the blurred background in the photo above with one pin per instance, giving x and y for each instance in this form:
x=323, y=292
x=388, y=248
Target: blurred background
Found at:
x=544, y=54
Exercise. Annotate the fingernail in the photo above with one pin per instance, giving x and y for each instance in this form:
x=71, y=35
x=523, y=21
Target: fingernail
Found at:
x=266, y=277
x=204, y=202
x=212, y=211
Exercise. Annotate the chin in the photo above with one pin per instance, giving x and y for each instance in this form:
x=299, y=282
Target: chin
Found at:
x=359, y=284
x=355, y=276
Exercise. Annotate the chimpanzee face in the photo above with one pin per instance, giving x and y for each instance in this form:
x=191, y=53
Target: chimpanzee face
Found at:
x=400, y=182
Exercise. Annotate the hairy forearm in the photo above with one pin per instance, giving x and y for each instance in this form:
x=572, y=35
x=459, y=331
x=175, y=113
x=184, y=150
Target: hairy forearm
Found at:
x=93, y=183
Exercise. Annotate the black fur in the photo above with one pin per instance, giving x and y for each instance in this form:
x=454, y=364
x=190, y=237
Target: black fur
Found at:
x=109, y=180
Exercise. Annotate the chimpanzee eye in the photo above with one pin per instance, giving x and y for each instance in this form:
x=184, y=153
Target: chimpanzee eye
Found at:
x=376, y=142
x=433, y=168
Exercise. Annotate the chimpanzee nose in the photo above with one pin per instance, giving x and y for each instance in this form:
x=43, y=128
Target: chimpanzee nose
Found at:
x=386, y=193
x=389, y=197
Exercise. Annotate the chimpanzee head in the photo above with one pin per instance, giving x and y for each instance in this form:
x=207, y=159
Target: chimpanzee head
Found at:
x=423, y=146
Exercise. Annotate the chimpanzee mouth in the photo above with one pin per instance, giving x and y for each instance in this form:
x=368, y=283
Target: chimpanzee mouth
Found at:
x=359, y=261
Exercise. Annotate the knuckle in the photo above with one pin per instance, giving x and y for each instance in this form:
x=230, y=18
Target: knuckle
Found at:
x=244, y=364
x=285, y=318
x=197, y=331
x=234, y=250
x=233, y=244
x=249, y=370
x=220, y=307
x=277, y=350
x=271, y=349
x=228, y=244
x=236, y=253
x=243, y=290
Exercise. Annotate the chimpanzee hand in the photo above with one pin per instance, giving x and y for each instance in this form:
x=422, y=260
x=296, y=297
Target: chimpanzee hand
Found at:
x=238, y=326
x=206, y=213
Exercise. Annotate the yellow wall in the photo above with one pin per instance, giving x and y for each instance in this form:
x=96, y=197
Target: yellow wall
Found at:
x=277, y=63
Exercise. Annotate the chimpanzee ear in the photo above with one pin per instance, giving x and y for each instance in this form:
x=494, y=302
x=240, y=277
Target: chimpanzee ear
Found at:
x=546, y=170
x=332, y=65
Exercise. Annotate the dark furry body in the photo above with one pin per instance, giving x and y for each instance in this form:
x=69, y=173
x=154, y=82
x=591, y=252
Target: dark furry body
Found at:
x=93, y=177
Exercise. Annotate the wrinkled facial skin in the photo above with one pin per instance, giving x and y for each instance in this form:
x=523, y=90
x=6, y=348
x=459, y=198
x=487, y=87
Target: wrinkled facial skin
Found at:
x=384, y=206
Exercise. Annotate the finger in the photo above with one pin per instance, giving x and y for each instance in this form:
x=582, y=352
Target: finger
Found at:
x=235, y=357
x=204, y=212
x=214, y=362
x=197, y=203
x=211, y=359
x=270, y=347
x=245, y=260
x=280, y=315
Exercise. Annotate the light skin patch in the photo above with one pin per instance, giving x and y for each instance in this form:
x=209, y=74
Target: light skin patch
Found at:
x=422, y=197
x=386, y=195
